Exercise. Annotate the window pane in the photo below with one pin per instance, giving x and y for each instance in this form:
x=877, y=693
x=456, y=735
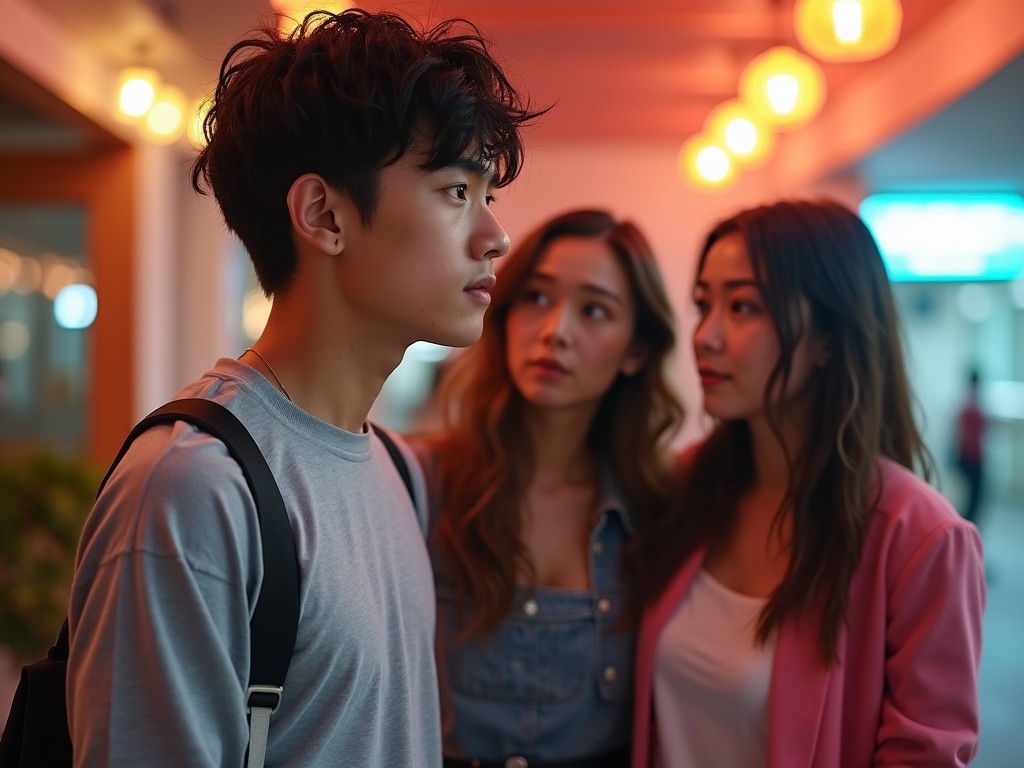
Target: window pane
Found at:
x=47, y=304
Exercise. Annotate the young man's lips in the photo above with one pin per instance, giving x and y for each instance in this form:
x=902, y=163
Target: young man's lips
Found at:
x=481, y=289
x=483, y=284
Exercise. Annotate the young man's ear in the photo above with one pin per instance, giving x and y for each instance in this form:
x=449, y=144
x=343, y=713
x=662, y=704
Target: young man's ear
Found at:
x=315, y=210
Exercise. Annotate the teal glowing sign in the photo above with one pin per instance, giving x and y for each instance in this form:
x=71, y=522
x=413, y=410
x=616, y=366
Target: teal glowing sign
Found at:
x=958, y=236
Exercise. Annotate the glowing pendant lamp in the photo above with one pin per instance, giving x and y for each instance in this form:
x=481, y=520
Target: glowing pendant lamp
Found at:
x=136, y=91
x=704, y=164
x=847, y=30
x=165, y=121
x=739, y=130
x=783, y=86
x=195, y=130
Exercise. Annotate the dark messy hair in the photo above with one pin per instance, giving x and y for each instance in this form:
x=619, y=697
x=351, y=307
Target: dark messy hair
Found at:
x=485, y=455
x=860, y=410
x=344, y=96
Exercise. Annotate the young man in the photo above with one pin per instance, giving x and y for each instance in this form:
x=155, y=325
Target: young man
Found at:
x=356, y=161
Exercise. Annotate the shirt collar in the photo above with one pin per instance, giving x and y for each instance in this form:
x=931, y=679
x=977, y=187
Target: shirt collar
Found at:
x=612, y=500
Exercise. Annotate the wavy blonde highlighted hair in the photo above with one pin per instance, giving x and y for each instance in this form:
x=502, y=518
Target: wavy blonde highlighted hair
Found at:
x=486, y=456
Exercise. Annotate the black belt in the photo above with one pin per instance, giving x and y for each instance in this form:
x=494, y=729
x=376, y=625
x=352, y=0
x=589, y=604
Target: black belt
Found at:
x=617, y=758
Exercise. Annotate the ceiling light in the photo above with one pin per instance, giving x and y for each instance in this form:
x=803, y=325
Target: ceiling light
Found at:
x=195, y=131
x=739, y=130
x=784, y=87
x=847, y=30
x=705, y=164
x=136, y=91
x=165, y=121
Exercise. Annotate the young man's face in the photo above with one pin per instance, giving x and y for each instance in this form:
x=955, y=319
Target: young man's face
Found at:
x=423, y=268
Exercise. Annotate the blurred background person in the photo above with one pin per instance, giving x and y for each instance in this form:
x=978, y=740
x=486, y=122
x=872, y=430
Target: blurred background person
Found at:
x=970, y=449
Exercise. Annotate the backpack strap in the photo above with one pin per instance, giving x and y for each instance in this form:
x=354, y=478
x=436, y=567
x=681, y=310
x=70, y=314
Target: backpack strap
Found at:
x=398, y=459
x=274, y=625
x=275, y=619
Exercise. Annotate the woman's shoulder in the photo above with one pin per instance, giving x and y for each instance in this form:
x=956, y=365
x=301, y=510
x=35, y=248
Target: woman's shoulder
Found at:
x=904, y=494
x=910, y=513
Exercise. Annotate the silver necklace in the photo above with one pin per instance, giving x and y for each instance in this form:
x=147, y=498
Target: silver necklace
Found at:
x=271, y=369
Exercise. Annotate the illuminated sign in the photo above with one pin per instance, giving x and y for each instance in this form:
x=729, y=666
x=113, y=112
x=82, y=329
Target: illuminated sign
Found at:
x=958, y=236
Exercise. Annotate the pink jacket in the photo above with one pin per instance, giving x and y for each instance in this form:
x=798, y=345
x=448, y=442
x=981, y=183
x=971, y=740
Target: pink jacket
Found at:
x=905, y=690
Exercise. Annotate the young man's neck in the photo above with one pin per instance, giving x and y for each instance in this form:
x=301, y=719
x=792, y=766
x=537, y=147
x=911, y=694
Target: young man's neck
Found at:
x=332, y=369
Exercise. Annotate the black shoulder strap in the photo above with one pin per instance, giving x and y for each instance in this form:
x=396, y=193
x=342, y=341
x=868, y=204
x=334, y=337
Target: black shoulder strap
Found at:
x=275, y=619
x=398, y=459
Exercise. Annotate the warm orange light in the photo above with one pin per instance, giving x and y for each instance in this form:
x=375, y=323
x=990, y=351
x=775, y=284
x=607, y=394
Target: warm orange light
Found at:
x=784, y=87
x=136, y=91
x=704, y=164
x=848, y=30
x=739, y=130
x=290, y=13
x=197, y=116
x=165, y=121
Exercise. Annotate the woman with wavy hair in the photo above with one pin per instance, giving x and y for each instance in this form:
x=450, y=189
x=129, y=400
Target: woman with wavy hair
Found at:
x=554, y=452
x=810, y=601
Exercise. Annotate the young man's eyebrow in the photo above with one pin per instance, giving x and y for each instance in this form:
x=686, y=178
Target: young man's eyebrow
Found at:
x=477, y=167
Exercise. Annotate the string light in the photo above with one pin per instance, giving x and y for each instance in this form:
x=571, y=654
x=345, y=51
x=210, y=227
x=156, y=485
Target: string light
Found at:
x=741, y=132
x=194, y=130
x=165, y=122
x=704, y=164
x=136, y=91
x=847, y=30
x=784, y=87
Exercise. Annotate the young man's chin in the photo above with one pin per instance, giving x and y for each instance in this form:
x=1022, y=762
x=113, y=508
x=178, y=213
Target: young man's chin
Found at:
x=462, y=336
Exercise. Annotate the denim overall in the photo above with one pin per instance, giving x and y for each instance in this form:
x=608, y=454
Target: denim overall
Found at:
x=555, y=680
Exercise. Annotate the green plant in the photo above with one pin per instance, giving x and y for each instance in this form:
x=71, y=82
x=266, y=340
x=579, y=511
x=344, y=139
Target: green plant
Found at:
x=44, y=500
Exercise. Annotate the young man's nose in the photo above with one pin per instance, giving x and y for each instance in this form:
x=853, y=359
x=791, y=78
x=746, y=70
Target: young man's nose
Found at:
x=489, y=240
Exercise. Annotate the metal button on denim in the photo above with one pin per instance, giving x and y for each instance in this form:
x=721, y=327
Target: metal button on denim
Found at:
x=610, y=674
x=547, y=658
x=517, y=762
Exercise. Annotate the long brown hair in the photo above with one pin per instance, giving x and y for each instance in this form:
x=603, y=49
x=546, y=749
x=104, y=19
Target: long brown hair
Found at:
x=487, y=459
x=860, y=409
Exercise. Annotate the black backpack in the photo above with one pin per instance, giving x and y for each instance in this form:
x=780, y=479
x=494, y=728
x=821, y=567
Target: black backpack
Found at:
x=37, y=734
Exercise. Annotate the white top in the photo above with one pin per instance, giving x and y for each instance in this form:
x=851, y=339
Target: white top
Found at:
x=711, y=681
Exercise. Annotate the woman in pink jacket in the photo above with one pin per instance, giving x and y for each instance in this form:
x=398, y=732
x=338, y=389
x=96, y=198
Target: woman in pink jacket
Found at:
x=812, y=602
